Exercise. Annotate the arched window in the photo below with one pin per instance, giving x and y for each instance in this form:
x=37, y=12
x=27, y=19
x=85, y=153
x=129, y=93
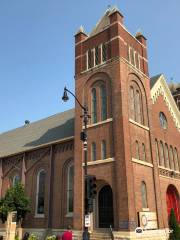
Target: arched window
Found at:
x=132, y=103
x=161, y=154
x=143, y=152
x=93, y=151
x=176, y=161
x=144, y=195
x=137, y=150
x=103, y=149
x=103, y=102
x=171, y=158
x=166, y=156
x=40, y=191
x=138, y=107
x=163, y=120
x=70, y=184
x=94, y=106
x=157, y=152
x=16, y=179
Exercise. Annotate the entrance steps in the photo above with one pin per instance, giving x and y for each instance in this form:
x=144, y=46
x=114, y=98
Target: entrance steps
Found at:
x=101, y=235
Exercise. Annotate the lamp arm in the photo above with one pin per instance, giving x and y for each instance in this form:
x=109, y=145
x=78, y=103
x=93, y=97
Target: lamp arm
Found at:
x=84, y=108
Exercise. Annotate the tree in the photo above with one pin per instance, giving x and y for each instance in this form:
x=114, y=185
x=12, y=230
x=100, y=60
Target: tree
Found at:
x=173, y=225
x=15, y=200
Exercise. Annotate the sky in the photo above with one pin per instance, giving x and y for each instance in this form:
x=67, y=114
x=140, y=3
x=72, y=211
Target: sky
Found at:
x=37, y=49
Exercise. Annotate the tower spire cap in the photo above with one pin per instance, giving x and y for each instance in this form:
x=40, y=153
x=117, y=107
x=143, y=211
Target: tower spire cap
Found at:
x=80, y=30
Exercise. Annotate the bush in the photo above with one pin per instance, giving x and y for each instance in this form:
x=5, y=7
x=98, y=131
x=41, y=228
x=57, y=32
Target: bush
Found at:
x=33, y=237
x=53, y=237
x=173, y=225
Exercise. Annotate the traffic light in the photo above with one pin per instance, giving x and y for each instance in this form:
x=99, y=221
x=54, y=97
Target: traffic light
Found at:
x=91, y=191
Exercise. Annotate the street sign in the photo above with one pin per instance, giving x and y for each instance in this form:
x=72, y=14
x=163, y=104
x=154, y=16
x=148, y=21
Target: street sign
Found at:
x=87, y=221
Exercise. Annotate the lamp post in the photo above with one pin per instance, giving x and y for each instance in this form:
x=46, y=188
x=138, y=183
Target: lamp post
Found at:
x=85, y=118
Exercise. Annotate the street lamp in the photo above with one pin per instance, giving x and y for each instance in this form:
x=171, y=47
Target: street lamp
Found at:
x=85, y=117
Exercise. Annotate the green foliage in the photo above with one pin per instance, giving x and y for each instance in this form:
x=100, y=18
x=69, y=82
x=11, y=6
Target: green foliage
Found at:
x=14, y=200
x=33, y=237
x=173, y=225
x=53, y=237
x=16, y=238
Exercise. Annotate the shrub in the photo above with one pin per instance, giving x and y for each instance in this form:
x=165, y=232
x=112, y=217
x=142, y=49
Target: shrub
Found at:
x=53, y=237
x=33, y=237
x=173, y=225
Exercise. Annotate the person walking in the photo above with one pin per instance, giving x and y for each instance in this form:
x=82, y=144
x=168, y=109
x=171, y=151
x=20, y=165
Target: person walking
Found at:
x=67, y=235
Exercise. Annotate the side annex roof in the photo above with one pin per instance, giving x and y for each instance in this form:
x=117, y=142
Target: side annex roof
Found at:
x=46, y=131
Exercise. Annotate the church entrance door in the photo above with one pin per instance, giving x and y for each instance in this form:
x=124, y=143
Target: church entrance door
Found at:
x=105, y=207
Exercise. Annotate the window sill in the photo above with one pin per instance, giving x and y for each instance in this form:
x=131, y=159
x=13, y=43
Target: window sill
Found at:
x=142, y=162
x=70, y=214
x=168, y=169
x=95, y=67
x=107, y=160
x=99, y=123
x=145, y=209
x=39, y=216
x=138, y=124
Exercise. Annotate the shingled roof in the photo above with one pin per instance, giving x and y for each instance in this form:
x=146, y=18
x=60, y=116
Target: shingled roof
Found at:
x=33, y=135
x=154, y=79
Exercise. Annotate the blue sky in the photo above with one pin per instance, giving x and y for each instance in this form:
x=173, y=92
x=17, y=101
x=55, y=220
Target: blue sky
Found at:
x=37, y=49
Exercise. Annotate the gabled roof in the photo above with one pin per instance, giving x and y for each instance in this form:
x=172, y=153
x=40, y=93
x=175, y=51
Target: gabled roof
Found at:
x=159, y=87
x=33, y=135
x=154, y=79
x=104, y=22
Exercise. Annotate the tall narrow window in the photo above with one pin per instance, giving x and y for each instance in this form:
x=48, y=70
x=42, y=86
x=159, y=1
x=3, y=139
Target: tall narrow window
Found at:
x=94, y=106
x=171, y=158
x=103, y=149
x=132, y=56
x=139, y=62
x=144, y=195
x=128, y=53
x=104, y=53
x=176, y=160
x=96, y=55
x=89, y=59
x=166, y=156
x=40, y=193
x=103, y=102
x=163, y=120
x=135, y=58
x=143, y=152
x=93, y=151
x=70, y=183
x=138, y=107
x=132, y=103
x=157, y=152
x=16, y=179
x=137, y=150
x=161, y=154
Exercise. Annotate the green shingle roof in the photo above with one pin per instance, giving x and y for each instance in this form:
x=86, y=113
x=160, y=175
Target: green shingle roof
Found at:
x=33, y=135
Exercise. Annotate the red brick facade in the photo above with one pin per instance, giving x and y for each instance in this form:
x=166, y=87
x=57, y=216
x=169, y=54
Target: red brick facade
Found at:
x=130, y=131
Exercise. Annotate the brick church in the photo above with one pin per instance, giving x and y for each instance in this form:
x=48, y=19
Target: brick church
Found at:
x=133, y=144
